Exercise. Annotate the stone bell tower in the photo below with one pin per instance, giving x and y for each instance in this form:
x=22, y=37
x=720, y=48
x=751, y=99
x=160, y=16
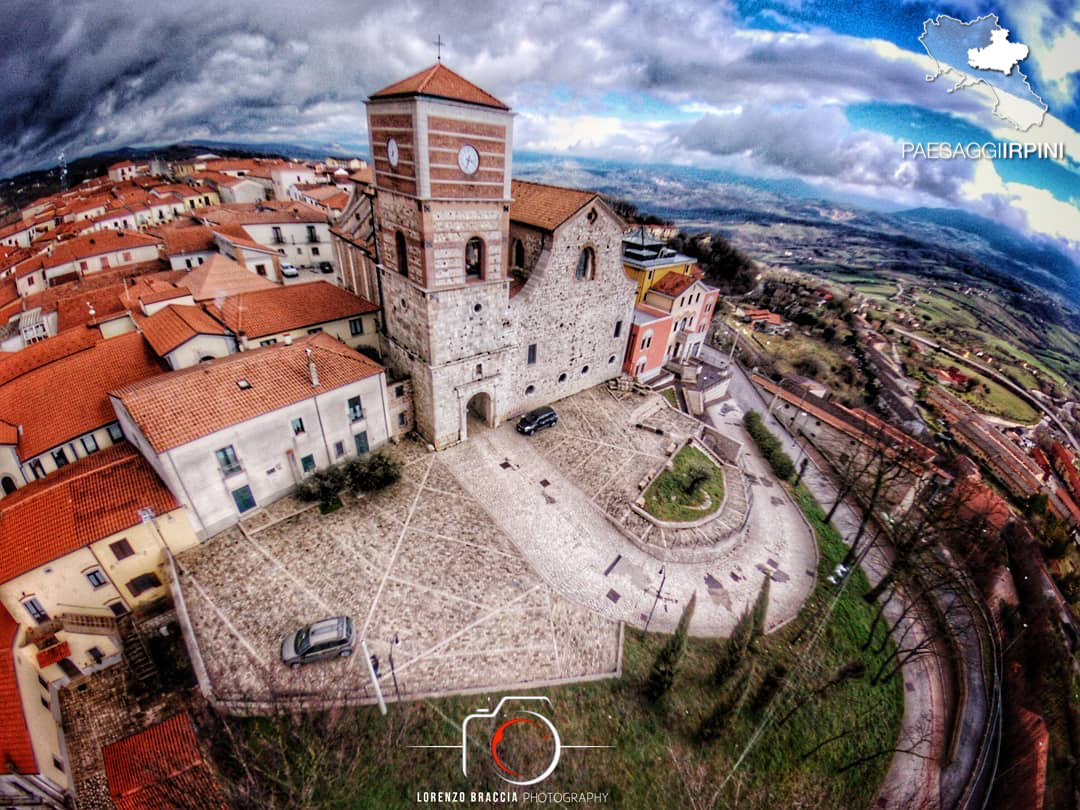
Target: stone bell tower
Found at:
x=441, y=149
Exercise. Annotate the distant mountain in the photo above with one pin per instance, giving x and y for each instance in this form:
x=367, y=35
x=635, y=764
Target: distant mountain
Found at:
x=1006, y=241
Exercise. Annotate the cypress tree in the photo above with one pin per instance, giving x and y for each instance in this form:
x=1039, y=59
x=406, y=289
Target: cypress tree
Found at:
x=733, y=649
x=761, y=610
x=770, y=685
x=667, y=660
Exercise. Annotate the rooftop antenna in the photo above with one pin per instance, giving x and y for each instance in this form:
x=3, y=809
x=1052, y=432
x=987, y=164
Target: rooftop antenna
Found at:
x=438, y=45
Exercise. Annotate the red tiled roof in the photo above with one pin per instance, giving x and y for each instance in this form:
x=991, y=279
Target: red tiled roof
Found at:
x=282, y=309
x=190, y=239
x=184, y=405
x=221, y=276
x=68, y=397
x=441, y=82
x=264, y=213
x=174, y=325
x=236, y=235
x=161, y=768
x=16, y=749
x=980, y=503
x=9, y=434
x=97, y=243
x=74, y=310
x=155, y=288
x=673, y=284
x=35, y=355
x=81, y=503
x=544, y=206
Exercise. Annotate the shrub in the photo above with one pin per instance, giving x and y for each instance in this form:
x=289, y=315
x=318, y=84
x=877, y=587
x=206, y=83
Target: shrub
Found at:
x=667, y=660
x=770, y=446
x=323, y=485
x=372, y=473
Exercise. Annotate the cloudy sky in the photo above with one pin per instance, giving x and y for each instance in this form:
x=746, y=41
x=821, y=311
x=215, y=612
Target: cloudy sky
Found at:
x=818, y=90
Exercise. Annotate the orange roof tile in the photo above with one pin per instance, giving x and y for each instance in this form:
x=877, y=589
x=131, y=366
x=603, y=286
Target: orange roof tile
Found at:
x=38, y=354
x=81, y=503
x=236, y=235
x=74, y=310
x=441, y=82
x=190, y=239
x=262, y=213
x=282, y=309
x=33, y=400
x=9, y=434
x=185, y=405
x=222, y=277
x=97, y=243
x=161, y=767
x=673, y=284
x=544, y=206
x=16, y=749
x=174, y=325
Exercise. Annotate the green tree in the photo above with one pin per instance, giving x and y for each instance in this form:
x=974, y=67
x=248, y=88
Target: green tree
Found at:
x=731, y=700
x=372, y=473
x=760, y=611
x=770, y=687
x=694, y=476
x=667, y=660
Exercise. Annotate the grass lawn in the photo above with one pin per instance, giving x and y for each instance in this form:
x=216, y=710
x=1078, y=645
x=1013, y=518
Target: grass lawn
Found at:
x=670, y=396
x=667, y=498
x=357, y=759
x=998, y=401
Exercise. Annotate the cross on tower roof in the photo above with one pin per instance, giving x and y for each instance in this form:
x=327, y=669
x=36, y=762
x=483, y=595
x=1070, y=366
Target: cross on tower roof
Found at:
x=438, y=46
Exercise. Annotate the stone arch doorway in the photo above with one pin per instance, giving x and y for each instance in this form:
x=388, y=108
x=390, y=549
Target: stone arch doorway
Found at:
x=8, y=484
x=479, y=413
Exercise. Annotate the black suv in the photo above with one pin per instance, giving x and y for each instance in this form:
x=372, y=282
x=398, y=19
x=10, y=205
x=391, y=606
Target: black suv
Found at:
x=537, y=420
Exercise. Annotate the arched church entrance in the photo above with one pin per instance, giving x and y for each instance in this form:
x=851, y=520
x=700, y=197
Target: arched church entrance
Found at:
x=8, y=483
x=479, y=414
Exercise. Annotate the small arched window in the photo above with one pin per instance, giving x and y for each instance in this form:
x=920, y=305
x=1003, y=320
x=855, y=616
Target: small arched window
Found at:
x=586, y=264
x=474, y=258
x=518, y=254
x=530, y=389
x=402, y=253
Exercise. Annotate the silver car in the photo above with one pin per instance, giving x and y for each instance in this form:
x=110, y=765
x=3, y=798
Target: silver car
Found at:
x=326, y=638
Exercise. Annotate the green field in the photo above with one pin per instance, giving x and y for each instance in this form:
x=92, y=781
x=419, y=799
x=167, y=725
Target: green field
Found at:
x=356, y=759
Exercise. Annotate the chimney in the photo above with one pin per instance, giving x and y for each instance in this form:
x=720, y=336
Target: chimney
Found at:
x=312, y=371
x=287, y=339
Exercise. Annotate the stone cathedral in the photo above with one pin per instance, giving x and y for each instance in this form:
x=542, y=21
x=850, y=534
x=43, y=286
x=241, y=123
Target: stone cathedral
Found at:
x=498, y=295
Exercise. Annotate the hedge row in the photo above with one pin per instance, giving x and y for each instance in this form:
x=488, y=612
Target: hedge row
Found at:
x=769, y=445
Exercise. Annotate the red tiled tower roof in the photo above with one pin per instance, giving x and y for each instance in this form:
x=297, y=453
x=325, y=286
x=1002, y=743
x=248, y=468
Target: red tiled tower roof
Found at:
x=440, y=81
x=16, y=749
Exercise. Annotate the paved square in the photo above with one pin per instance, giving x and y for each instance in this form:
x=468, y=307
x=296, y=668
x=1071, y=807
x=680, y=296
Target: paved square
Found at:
x=421, y=561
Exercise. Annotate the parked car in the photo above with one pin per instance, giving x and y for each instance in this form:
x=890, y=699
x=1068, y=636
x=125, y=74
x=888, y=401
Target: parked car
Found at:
x=289, y=270
x=537, y=420
x=326, y=267
x=326, y=638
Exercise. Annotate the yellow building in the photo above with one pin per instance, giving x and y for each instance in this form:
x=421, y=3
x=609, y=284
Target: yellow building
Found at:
x=647, y=260
x=80, y=550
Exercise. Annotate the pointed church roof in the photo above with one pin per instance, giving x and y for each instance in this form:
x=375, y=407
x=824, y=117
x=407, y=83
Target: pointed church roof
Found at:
x=441, y=82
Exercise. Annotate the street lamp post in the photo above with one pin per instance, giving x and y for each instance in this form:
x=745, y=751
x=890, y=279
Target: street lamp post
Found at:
x=663, y=578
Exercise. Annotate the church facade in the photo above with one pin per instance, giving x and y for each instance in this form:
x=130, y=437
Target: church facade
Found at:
x=498, y=296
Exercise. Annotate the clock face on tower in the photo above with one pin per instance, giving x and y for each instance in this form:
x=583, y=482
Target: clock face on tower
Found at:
x=468, y=159
x=392, y=151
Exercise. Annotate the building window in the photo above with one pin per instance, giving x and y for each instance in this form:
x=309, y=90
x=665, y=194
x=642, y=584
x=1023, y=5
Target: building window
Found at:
x=530, y=389
x=59, y=458
x=618, y=328
x=611, y=360
x=361, y=442
x=562, y=377
x=356, y=326
x=532, y=354
x=356, y=409
x=339, y=449
x=402, y=254
x=312, y=235
x=479, y=370
x=399, y=391
x=121, y=549
x=267, y=342
x=297, y=426
x=56, y=762
x=315, y=330
x=143, y=583
x=117, y=608
x=89, y=444
x=586, y=266
x=37, y=469
x=402, y=419
x=243, y=498
x=96, y=578
x=314, y=251
x=474, y=258
x=518, y=253
x=227, y=460
x=584, y=369
x=278, y=238
x=36, y=611
x=115, y=433
x=307, y=463
x=260, y=269
x=96, y=654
